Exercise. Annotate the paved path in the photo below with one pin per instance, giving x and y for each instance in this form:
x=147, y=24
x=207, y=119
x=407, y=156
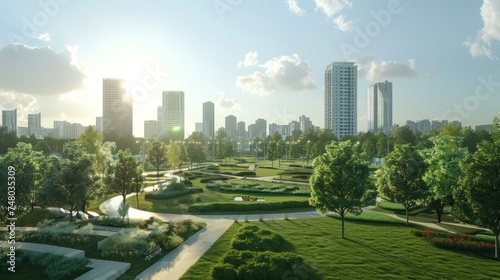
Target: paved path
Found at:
x=177, y=262
x=429, y=225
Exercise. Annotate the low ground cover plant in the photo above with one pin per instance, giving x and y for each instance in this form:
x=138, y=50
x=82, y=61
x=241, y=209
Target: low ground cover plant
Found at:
x=457, y=241
x=52, y=266
x=63, y=233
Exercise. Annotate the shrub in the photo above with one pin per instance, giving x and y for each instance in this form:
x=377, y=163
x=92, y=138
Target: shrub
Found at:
x=238, y=206
x=245, y=173
x=254, y=238
x=223, y=271
x=56, y=266
x=171, y=194
x=295, y=165
x=214, y=178
x=128, y=244
x=212, y=167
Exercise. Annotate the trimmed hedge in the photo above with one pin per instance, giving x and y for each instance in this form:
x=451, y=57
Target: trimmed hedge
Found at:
x=171, y=194
x=295, y=165
x=245, y=173
x=239, y=206
x=214, y=178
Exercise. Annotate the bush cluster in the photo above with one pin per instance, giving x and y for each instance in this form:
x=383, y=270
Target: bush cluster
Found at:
x=251, y=258
x=171, y=194
x=254, y=238
x=52, y=266
x=64, y=233
x=129, y=244
x=238, y=206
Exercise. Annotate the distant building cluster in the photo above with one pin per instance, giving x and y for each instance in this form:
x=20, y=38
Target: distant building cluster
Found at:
x=426, y=125
x=340, y=114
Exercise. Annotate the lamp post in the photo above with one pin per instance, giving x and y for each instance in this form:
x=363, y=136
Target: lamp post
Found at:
x=287, y=144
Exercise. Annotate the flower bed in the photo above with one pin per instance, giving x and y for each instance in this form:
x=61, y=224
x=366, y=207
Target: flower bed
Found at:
x=456, y=241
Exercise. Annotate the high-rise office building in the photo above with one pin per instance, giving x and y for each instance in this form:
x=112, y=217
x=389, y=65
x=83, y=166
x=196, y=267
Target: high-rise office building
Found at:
x=9, y=120
x=380, y=107
x=34, y=122
x=273, y=127
x=252, y=131
x=198, y=127
x=305, y=123
x=341, y=98
x=116, y=110
x=159, y=118
x=261, y=128
x=99, y=125
x=173, y=114
x=241, y=131
x=66, y=130
x=208, y=119
x=230, y=126
x=293, y=126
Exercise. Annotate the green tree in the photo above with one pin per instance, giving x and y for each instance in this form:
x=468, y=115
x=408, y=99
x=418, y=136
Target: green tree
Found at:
x=91, y=140
x=401, y=179
x=271, y=152
x=174, y=153
x=42, y=147
x=450, y=129
x=138, y=183
x=480, y=186
x=340, y=182
x=121, y=174
x=157, y=155
x=71, y=177
x=280, y=150
x=403, y=135
x=224, y=147
x=24, y=160
x=443, y=171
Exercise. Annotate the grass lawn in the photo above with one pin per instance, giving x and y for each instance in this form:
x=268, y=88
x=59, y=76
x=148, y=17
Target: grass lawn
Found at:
x=31, y=272
x=31, y=218
x=265, y=172
x=94, y=204
x=369, y=251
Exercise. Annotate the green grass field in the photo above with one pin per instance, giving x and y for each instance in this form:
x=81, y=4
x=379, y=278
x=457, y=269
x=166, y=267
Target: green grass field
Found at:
x=370, y=251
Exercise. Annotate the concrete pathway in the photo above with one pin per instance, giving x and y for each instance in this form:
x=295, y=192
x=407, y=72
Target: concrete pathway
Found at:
x=429, y=225
x=177, y=262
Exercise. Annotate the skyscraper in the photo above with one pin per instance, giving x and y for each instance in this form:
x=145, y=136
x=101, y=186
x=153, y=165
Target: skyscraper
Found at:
x=9, y=119
x=159, y=118
x=230, y=125
x=341, y=98
x=242, y=132
x=116, y=110
x=34, y=122
x=173, y=114
x=208, y=119
x=99, y=124
x=380, y=107
x=305, y=123
x=261, y=128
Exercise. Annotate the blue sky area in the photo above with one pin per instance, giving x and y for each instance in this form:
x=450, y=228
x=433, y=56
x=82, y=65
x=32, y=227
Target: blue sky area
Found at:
x=253, y=59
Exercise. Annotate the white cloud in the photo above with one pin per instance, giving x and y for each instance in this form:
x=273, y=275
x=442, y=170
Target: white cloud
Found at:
x=48, y=72
x=386, y=70
x=285, y=73
x=483, y=43
x=228, y=103
x=251, y=59
x=331, y=7
x=342, y=24
x=43, y=37
x=293, y=6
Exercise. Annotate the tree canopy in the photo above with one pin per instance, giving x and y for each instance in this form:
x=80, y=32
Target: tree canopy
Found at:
x=340, y=182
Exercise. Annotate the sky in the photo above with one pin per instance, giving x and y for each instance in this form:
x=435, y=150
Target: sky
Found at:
x=253, y=59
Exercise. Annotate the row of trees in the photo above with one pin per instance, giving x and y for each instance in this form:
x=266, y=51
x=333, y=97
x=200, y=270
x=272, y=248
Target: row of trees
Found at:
x=445, y=174
x=85, y=170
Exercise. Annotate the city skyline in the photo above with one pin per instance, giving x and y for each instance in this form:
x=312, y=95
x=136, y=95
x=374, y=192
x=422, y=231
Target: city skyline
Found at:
x=272, y=72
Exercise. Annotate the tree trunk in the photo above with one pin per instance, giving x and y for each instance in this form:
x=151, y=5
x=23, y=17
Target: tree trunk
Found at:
x=438, y=206
x=407, y=215
x=496, y=245
x=342, y=218
x=137, y=198
x=71, y=212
